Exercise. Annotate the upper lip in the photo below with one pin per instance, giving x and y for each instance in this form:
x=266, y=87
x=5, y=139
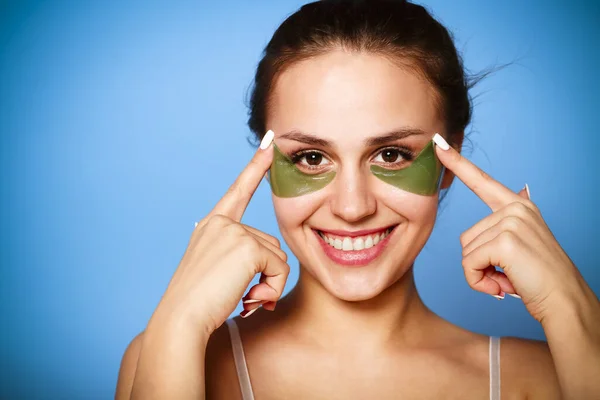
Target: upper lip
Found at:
x=363, y=232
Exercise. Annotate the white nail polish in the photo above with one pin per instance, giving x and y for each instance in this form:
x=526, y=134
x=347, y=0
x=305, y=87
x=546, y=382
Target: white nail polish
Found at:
x=528, y=192
x=195, y=224
x=267, y=139
x=249, y=313
x=251, y=301
x=499, y=297
x=440, y=141
x=516, y=296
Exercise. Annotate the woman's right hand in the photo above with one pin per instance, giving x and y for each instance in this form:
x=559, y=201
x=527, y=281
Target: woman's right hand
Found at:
x=224, y=255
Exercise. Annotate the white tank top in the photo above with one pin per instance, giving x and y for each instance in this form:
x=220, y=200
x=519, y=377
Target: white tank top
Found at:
x=246, y=386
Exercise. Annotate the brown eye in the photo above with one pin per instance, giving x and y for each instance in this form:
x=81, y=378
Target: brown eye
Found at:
x=313, y=159
x=310, y=159
x=390, y=155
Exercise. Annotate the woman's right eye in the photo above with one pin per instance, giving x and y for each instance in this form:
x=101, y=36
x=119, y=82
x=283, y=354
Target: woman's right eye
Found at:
x=310, y=159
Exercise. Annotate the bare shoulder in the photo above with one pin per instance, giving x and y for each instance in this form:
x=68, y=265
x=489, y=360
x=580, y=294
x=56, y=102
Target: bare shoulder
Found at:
x=530, y=363
x=128, y=367
x=220, y=373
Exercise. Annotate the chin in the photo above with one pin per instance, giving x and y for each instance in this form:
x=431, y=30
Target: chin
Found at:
x=353, y=293
x=360, y=284
x=357, y=283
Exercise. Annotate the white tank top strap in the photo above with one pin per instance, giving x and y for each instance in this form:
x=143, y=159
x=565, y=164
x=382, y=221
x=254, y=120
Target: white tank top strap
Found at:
x=494, y=368
x=240, y=360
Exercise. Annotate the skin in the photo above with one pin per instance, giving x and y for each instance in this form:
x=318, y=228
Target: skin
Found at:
x=364, y=332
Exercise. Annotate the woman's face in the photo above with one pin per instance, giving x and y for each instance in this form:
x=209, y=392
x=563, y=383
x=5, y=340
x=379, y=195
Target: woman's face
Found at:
x=347, y=111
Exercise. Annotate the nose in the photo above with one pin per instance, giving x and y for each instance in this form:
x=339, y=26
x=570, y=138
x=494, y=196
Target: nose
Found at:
x=352, y=200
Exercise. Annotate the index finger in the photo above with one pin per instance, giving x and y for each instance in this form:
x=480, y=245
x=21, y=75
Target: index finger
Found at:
x=234, y=202
x=492, y=192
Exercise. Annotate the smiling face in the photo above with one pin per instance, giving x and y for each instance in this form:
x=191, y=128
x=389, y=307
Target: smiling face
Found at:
x=346, y=112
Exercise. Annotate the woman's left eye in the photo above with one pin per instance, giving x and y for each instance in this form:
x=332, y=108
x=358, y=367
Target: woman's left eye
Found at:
x=391, y=156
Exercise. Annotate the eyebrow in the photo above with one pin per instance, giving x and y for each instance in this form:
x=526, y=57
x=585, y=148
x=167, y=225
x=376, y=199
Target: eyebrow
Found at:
x=397, y=134
x=378, y=140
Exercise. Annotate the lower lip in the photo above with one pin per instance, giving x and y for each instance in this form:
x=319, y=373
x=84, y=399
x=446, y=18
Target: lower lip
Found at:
x=354, y=258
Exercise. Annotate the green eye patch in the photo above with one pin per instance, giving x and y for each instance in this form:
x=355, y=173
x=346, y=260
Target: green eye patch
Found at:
x=421, y=177
x=288, y=181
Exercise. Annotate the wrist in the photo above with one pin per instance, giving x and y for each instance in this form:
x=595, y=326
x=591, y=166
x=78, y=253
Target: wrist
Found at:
x=169, y=323
x=576, y=307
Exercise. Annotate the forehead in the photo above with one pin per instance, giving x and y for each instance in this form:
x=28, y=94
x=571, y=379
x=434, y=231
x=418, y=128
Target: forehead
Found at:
x=351, y=95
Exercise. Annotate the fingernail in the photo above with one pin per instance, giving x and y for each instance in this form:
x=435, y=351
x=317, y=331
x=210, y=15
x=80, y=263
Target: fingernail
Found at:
x=499, y=296
x=245, y=314
x=195, y=224
x=251, y=301
x=528, y=192
x=440, y=141
x=267, y=139
x=514, y=295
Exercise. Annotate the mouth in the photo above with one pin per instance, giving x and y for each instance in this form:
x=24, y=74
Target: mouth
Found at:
x=354, y=248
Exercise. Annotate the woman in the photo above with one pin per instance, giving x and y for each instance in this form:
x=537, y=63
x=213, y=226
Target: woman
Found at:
x=352, y=93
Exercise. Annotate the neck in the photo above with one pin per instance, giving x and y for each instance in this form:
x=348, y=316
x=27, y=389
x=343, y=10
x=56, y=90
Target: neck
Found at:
x=397, y=315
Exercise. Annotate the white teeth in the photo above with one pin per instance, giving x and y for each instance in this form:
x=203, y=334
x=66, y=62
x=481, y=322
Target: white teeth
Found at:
x=337, y=243
x=358, y=244
x=347, y=244
x=376, y=239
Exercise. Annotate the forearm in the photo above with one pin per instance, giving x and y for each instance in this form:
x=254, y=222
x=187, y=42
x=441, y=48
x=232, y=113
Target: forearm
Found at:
x=171, y=362
x=573, y=334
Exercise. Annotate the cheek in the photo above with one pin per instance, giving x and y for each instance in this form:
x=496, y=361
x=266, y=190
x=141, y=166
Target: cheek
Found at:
x=291, y=212
x=414, y=208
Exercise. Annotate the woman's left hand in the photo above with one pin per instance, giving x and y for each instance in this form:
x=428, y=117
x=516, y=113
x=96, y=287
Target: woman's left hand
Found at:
x=515, y=238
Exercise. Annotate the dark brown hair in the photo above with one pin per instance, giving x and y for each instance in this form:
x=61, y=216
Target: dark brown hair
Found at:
x=402, y=31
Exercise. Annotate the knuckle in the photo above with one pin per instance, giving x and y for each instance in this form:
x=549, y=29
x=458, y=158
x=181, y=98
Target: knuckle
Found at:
x=531, y=207
x=465, y=263
x=280, y=254
x=519, y=208
x=507, y=241
x=285, y=271
x=217, y=220
x=470, y=281
x=238, y=230
x=511, y=223
x=275, y=241
x=463, y=238
x=248, y=245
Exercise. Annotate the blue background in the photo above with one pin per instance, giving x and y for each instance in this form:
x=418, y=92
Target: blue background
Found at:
x=122, y=123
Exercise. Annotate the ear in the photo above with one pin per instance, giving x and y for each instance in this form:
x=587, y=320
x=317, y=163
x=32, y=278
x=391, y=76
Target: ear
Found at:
x=456, y=141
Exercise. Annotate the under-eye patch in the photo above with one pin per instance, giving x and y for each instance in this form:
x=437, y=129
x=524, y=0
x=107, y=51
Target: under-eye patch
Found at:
x=288, y=181
x=422, y=176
